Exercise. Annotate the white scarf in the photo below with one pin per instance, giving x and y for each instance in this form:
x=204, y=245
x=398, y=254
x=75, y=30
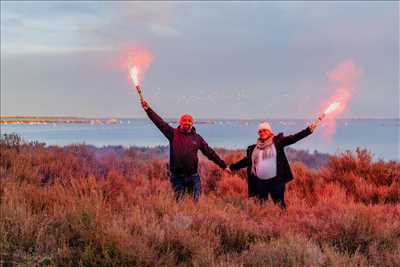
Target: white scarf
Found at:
x=264, y=147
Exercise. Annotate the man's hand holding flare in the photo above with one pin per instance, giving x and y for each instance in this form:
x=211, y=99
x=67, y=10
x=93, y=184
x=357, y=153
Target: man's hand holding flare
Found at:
x=139, y=90
x=145, y=105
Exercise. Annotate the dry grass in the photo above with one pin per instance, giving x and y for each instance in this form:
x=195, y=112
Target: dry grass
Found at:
x=81, y=206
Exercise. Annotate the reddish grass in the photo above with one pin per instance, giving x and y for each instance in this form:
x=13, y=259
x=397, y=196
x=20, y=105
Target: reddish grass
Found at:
x=79, y=205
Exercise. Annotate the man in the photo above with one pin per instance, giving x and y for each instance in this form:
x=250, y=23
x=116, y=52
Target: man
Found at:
x=184, y=144
x=268, y=169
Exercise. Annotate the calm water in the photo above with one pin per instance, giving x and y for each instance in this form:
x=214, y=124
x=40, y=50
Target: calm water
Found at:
x=381, y=137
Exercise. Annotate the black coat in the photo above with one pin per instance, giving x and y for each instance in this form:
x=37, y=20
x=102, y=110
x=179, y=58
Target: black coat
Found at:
x=184, y=147
x=283, y=169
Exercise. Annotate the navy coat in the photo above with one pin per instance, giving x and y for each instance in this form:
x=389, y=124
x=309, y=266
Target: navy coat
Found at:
x=184, y=147
x=284, y=172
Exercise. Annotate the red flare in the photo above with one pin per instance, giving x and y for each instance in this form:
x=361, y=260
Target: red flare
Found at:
x=332, y=107
x=344, y=80
x=136, y=60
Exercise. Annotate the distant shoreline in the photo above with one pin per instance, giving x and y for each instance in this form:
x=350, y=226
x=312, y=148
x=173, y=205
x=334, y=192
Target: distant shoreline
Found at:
x=95, y=121
x=45, y=120
x=41, y=117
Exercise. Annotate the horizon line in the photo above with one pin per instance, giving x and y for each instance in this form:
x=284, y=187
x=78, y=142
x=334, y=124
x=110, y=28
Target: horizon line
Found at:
x=176, y=118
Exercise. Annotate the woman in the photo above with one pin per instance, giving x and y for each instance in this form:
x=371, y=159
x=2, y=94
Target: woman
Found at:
x=268, y=169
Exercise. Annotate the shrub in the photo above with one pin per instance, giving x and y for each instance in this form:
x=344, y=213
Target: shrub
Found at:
x=80, y=205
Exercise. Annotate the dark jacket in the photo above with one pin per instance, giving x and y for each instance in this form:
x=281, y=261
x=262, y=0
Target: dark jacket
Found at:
x=183, y=160
x=283, y=169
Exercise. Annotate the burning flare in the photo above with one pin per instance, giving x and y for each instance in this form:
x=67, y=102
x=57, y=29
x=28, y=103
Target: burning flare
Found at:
x=137, y=60
x=332, y=107
x=134, y=72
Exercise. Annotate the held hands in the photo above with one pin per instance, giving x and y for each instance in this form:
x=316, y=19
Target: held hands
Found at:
x=228, y=170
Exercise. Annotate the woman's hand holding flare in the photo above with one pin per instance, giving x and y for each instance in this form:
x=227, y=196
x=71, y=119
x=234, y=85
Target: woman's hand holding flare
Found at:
x=332, y=107
x=312, y=126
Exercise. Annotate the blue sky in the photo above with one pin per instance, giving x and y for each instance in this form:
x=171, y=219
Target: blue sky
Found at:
x=211, y=59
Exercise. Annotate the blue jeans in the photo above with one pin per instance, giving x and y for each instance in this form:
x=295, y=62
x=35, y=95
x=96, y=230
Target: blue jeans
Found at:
x=186, y=185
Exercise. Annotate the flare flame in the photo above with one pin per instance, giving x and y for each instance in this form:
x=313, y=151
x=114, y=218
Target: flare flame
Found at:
x=134, y=72
x=332, y=107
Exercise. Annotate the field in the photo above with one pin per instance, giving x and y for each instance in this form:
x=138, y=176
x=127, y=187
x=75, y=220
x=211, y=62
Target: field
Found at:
x=84, y=206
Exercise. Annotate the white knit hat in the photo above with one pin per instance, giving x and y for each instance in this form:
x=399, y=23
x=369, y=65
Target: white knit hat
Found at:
x=265, y=125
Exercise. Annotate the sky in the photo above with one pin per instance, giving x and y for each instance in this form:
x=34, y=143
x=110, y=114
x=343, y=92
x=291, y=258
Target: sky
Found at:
x=211, y=59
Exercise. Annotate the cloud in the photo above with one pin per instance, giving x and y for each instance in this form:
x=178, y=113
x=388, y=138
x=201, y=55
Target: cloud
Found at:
x=239, y=54
x=130, y=22
x=86, y=25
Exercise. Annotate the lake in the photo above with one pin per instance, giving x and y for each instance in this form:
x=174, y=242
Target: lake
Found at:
x=380, y=136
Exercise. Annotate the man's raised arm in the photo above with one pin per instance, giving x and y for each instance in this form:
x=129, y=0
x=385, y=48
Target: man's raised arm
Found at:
x=164, y=127
x=212, y=155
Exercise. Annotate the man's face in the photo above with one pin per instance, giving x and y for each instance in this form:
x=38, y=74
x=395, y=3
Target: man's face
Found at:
x=186, y=123
x=264, y=134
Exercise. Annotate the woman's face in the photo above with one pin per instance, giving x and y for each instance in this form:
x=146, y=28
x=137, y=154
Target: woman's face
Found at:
x=264, y=134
